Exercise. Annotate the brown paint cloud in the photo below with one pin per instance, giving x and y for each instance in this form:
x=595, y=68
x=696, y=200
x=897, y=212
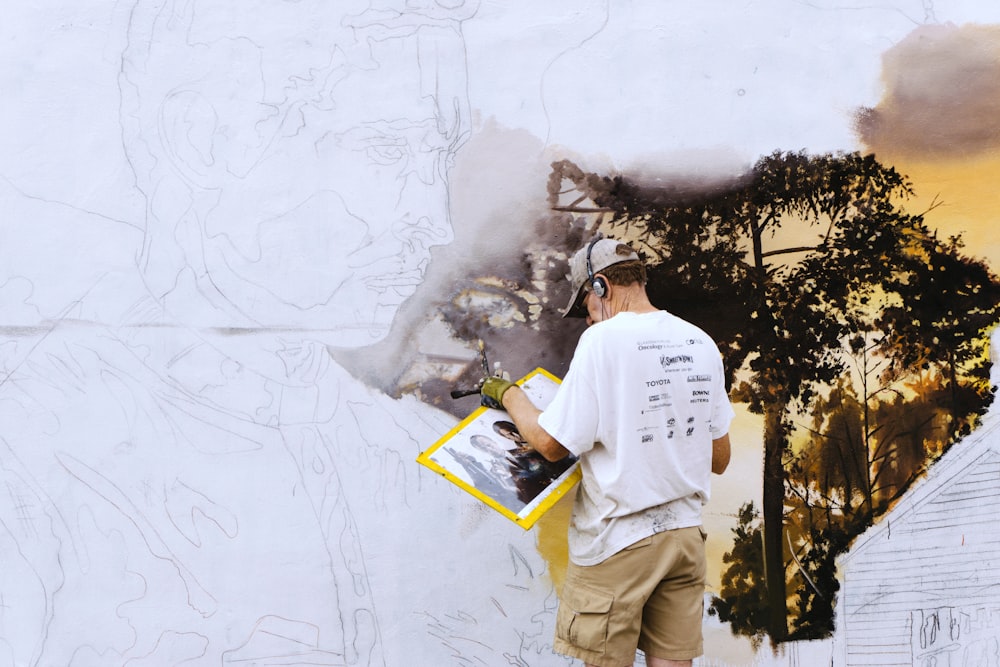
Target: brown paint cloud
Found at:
x=942, y=95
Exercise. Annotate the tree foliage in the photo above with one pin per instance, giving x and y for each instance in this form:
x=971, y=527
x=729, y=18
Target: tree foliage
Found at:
x=740, y=603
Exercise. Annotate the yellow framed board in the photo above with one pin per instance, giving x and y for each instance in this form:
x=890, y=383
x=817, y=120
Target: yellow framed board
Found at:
x=486, y=456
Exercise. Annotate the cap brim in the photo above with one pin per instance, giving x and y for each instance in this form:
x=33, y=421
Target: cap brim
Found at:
x=576, y=307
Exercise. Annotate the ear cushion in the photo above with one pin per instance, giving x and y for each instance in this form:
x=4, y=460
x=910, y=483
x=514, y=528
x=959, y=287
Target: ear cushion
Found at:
x=599, y=286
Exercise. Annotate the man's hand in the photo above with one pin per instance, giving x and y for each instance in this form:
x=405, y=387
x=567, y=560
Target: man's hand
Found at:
x=493, y=390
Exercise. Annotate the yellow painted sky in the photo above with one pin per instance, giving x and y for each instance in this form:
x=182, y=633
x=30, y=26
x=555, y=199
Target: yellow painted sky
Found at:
x=968, y=194
x=938, y=123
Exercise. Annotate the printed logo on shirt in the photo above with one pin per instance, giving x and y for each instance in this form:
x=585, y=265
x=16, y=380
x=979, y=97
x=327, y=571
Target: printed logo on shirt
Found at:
x=667, y=360
x=694, y=341
x=699, y=378
x=656, y=345
x=657, y=401
x=700, y=392
x=647, y=438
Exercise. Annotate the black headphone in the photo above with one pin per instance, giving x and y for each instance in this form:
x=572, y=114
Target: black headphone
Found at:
x=597, y=283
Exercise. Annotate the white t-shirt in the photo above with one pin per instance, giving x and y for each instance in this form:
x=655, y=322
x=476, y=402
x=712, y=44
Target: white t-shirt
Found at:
x=640, y=405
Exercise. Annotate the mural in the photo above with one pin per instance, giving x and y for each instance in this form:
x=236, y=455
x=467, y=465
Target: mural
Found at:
x=247, y=252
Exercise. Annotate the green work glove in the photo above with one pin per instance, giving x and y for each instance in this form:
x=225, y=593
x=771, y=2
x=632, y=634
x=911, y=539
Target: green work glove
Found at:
x=493, y=390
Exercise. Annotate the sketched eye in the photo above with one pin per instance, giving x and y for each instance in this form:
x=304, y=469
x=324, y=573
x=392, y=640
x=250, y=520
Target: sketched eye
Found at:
x=381, y=143
x=385, y=154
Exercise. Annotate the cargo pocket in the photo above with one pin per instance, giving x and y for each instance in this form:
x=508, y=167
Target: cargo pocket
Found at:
x=583, y=615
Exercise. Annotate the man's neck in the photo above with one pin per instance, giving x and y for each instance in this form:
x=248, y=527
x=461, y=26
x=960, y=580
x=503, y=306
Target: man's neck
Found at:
x=632, y=299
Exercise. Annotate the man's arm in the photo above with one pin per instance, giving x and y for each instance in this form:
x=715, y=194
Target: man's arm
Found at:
x=721, y=451
x=525, y=416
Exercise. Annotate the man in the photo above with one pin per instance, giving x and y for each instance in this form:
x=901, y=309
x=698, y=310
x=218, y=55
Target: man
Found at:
x=644, y=406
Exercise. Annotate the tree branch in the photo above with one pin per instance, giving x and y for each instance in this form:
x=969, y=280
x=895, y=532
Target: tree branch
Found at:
x=785, y=251
x=582, y=209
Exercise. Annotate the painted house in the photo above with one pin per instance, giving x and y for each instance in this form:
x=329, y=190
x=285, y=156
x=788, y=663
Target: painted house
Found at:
x=922, y=586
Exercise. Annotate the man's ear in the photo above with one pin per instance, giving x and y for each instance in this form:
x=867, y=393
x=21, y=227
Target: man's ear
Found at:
x=188, y=124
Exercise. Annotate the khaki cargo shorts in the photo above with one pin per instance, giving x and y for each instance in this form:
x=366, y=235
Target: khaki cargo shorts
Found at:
x=649, y=595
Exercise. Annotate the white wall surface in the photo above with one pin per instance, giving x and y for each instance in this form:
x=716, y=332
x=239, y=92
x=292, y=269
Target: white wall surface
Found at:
x=198, y=199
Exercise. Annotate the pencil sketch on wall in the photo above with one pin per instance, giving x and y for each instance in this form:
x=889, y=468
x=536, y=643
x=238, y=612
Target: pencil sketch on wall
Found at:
x=191, y=476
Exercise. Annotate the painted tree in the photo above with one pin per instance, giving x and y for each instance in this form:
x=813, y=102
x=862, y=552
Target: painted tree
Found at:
x=919, y=381
x=801, y=266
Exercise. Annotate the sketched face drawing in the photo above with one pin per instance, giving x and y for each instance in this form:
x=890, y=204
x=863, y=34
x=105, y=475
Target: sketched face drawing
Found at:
x=297, y=171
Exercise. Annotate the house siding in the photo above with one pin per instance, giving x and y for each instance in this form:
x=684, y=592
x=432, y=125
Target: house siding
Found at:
x=924, y=588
